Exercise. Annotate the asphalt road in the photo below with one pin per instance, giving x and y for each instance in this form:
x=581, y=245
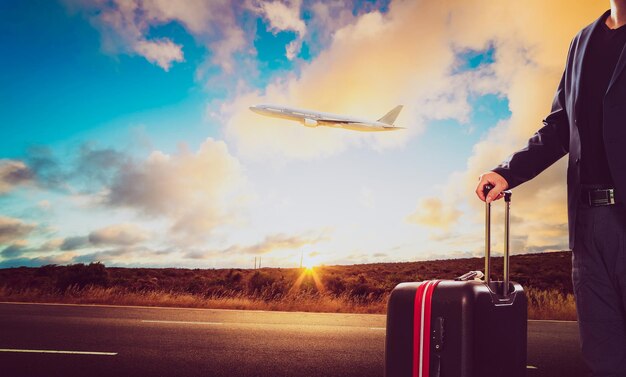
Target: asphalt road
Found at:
x=138, y=341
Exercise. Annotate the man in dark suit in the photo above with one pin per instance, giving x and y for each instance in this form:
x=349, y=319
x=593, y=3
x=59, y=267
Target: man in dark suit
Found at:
x=588, y=121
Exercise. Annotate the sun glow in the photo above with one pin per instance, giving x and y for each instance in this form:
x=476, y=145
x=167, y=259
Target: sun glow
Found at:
x=308, y=272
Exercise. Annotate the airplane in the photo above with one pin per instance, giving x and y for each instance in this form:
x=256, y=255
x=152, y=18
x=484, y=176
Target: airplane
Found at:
x=311, y=118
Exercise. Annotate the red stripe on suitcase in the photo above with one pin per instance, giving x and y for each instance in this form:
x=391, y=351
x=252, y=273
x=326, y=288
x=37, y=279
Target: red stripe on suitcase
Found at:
x=417, y=327
x=426, y=334
x=421, y=326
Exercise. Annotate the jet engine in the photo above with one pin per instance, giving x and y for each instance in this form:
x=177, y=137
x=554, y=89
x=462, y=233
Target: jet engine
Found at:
x=310, y=122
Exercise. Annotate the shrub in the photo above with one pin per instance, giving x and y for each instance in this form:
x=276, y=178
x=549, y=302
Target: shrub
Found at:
x=80, y=276
x=335, y=285
x=393, y=279
x=233, y=278
x=47, y=270
x=196, y=286
x=258, y=281
x=277, y=290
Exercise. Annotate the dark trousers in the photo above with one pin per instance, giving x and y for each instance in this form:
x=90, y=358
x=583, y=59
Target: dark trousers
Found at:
x=599, y=278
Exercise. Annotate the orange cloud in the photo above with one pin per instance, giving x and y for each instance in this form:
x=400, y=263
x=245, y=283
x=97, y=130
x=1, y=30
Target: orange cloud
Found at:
x=530, y=52
x=119, y=234
x=432, y=212
x=271, y=243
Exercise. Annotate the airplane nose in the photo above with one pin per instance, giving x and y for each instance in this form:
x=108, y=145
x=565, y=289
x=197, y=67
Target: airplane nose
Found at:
x=254, y=109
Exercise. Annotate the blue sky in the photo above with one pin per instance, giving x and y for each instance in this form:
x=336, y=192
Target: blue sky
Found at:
x=59, y=85
x=126, y=136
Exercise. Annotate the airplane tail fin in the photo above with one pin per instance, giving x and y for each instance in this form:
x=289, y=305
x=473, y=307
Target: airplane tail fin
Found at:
x=391, y=116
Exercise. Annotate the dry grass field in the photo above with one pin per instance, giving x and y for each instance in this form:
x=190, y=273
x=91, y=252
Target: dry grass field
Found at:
x=347, y=289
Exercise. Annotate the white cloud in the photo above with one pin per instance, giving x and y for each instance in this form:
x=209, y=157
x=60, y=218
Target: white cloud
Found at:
x=224, y=49
x=284, y=16
x=125, y=24
x=125, y=27
x=162, y=52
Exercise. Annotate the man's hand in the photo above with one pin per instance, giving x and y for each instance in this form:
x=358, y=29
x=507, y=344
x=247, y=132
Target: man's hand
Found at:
x=497, y=181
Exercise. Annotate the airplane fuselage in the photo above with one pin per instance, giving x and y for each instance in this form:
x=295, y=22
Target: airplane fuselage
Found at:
x=314, y=119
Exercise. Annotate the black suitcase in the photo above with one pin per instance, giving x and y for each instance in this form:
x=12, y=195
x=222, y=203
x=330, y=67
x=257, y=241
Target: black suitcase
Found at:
x=458, y=328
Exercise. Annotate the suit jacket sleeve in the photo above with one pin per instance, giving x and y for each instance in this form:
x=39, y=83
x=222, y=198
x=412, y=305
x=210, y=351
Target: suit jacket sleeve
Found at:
x=543, y=149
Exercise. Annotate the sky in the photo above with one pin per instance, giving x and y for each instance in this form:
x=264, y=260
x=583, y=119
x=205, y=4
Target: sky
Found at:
x=127, y=138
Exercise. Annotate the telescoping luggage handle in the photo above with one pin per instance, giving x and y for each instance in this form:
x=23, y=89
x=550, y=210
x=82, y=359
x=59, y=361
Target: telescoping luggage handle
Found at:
x=507, y=207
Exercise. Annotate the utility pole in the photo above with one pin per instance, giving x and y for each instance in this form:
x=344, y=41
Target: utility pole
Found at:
x=259, y=262
x=301, y=257
x=255, y=263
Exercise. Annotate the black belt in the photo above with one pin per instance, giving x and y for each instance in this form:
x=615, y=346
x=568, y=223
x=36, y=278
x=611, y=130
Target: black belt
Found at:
x=596, y=197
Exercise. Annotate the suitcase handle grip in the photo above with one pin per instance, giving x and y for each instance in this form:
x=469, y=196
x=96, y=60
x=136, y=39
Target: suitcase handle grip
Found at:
x=507, y=208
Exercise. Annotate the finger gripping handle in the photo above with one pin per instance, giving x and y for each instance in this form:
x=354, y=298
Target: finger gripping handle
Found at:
x=486, y=188
x=507, y=194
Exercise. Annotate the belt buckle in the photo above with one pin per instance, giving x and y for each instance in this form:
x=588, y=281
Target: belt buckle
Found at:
x=608, y=197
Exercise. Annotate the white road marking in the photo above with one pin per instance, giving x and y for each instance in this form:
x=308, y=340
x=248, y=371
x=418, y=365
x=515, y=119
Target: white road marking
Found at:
x=531, y=367
x=184, y=322
x=63, y=352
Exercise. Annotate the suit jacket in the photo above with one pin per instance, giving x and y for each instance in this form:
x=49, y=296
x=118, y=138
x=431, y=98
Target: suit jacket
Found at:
x=560, y=135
